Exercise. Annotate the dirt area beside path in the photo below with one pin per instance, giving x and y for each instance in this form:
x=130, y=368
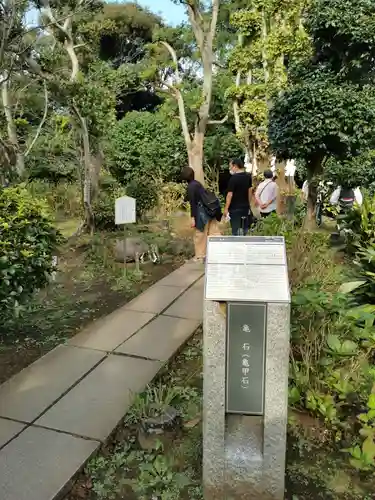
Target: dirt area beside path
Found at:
x=89, y=285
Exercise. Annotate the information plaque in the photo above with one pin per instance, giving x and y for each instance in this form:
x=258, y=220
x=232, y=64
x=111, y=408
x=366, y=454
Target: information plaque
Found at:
x=246, y=268
x=125, y=210
x=245, y=370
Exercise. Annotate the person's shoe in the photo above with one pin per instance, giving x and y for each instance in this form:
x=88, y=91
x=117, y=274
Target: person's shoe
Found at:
x=198, y=260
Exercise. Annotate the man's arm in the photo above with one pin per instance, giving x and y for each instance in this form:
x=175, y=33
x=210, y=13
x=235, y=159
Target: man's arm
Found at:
x=228, y=201
x=250, y=194
x=257, y=193
x=229, y=197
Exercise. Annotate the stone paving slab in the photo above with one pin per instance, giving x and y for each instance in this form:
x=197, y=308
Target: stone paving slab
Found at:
x=8, y=429
x=160, y=339
x=26, y=395
x=155, y=299
x=184, y=276
x=80, y=390
x=95, y=406
x=109, y=333
x=38, y=464
x=190, y=305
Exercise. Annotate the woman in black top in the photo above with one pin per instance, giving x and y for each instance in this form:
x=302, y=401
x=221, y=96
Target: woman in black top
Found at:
x=238, y=200
x=199, y=221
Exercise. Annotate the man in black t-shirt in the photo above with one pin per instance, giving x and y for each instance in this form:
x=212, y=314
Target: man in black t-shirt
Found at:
x=238, y=199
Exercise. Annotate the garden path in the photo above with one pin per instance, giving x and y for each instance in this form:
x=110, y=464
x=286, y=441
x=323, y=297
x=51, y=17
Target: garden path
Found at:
x=56, y=413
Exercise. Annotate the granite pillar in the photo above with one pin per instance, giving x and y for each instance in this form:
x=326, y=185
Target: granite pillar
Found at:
x=244, y=455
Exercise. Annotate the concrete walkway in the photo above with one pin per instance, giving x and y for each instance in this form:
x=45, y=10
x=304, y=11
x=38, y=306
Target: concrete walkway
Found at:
x=57, y=412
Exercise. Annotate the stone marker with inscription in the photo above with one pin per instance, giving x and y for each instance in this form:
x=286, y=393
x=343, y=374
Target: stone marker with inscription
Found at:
x=246, y=359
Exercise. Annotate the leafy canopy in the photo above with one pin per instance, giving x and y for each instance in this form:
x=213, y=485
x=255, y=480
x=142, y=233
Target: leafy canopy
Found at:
x=328, y=110
x=318, y=118
x=145, y=145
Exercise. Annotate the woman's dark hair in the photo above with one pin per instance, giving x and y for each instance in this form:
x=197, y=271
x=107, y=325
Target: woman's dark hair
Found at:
x=237, y=162
x=187, y=174
x=268, y=174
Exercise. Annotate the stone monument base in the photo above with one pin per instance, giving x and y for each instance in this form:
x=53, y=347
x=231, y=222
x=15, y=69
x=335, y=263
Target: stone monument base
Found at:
x=244, y=456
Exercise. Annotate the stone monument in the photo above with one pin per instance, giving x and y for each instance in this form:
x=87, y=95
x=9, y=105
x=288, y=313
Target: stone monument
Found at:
x=246, y=359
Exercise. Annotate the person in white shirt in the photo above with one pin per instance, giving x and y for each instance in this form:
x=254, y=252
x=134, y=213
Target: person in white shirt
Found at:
x=266, y=194
x=336, y=195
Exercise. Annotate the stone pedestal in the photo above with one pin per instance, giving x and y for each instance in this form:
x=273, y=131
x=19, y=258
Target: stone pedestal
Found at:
x=244, y=455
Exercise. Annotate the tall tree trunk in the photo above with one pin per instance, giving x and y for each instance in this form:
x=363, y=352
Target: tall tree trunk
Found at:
x=11, y=127
x=195, y=155
x=204, y=33
x=87, y=163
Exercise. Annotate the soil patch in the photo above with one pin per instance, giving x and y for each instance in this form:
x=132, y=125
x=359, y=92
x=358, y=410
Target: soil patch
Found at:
x=89, y=285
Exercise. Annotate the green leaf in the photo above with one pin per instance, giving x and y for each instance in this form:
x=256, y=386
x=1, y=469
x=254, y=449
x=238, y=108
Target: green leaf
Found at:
x=294, y=395
x=350, y=287
x=368, y=448
x=356, y=452
x=334, y=343
x=371, y=402
x=348, y=347
x=357, y=464
x=326, y=361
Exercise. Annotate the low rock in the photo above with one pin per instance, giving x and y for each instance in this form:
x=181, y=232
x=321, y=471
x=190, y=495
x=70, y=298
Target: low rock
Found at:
x=128, y=249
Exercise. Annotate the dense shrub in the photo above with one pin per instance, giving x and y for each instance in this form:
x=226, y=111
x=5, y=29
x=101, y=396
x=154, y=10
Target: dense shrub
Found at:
x=331, y=375
x=220, y=146
x=309, y=258
x=145, y=192
x=27, y=242
x=104, y=207
x=171, y=198
x=146, y=145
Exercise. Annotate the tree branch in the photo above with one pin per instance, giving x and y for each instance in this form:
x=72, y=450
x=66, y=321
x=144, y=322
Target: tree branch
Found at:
x=173, y=54
x=197, y=23
x=66, y=31
x=41, y=123
x=214, y=19
x=178, y=95
x=46, y=7
x=218, y=122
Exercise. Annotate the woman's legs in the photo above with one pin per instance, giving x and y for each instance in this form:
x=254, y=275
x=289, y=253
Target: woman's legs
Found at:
x=200, y=238
x=200, y=243
x=213, y=228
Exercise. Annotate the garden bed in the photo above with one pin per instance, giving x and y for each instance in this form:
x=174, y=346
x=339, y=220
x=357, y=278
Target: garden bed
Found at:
x=88, y=285
x=171, y=466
